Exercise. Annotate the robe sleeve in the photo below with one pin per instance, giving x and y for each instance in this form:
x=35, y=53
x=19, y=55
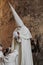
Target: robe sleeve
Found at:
x=13, y=45
x=15, y=53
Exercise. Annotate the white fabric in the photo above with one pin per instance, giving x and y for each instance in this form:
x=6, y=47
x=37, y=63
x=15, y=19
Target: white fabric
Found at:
x=16, y=17
x=10, y=59
x=12, y=48
x=1, y=54
x=1, y=58
x=15, y=34
x=24, y=32
x=25, y=36
x=26, y=53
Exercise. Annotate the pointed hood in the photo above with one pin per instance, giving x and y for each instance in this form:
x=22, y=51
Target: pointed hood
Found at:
x=19, y=22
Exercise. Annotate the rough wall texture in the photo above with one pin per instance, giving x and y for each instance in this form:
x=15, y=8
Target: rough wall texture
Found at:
x=30, y=11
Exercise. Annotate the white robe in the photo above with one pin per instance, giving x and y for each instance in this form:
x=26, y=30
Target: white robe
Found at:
x=26, y=53
x=1, y=58
x=10, y=59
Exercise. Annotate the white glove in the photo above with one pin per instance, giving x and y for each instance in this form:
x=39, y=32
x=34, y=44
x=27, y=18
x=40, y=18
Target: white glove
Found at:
x=15, y=35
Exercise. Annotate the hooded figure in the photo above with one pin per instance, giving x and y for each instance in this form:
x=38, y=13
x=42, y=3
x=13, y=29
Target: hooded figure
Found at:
x=21, y=41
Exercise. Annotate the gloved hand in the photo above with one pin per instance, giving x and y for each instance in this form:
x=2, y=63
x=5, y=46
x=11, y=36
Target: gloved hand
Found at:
x=16, y=36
